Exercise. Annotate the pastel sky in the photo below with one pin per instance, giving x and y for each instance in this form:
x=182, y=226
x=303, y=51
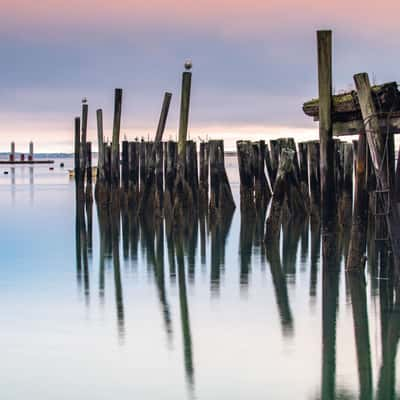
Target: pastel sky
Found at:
x=254, y=63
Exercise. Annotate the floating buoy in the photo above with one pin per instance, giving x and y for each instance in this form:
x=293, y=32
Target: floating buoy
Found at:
x=62, y=165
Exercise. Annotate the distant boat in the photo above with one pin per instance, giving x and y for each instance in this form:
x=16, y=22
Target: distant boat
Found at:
x=71, y=172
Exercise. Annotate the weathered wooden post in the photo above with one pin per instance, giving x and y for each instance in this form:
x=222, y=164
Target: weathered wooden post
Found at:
x=183, y=199
x=245, y=155
x=133, y=173
x=100, y=140
x=275, y=153
x=303, y=161
x=30, y=157
x=77, y=146
x=159, y=178
x=261, y=189
x=125, y=166
x=204, y=170
x=84, y=137
x=149, y=190
x=313, y=156
x=115, y=170
x=346, y=195
x=358, y=238
x=221, y=198
x=88, y=162
x=378, y=150
x=328, y=194
x=170, y=166
x=191, y=171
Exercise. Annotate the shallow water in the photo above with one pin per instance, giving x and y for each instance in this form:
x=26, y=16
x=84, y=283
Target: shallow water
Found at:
x=237, y=321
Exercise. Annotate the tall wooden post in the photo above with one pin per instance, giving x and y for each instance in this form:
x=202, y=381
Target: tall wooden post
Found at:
x=184, y=114
x=115, y=173
x=85, y=109
x=328, y=196
x=77, y=145
x=100, y=141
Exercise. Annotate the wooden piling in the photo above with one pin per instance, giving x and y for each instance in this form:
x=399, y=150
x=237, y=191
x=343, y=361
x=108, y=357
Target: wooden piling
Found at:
x=261, y=189
x=303, y=165
x=204, y=171
x=89, y=180
x=327, y=174
x=159, y=178
x=221, y=198
x=358, y=237
x=191, y=170
x=170, y=167
x=115, y=169
x=133, y=173
x=100, y=141
x=275, y=152
x=84, y=138
x=77, y=145
x=245, y=162
x=125, y=166
x=313, y=155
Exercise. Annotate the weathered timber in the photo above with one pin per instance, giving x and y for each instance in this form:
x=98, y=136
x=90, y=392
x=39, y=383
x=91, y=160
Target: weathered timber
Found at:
x=327, y=175
x=397, y=177
x=182, y=194
x=245, y=154
x=77, y=146
x=125, y=166
x=100, y=141
x=84, y=138
x=346, y=193
x=88, y=163
x=221, y=198
x=275, y=151
x=133, y=173
x=303, y=165
x=376, y=144
x=142, y=158
x=191, y=170
x=159, y=178
x=358, y=238
x=268, y=164
x=204, y=171
x=261, y=189
x=314, y=177
x=287, y=200
x=115, y=169
x=170, y=166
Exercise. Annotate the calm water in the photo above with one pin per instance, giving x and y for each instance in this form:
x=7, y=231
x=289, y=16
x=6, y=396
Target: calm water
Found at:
x=236, y=322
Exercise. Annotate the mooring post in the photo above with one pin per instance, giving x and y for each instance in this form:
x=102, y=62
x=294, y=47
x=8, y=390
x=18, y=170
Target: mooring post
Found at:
x=12, y=153
x=115, y=172
x=303, y=165
x=77, y=146
x=328, y=194
x=262, y=191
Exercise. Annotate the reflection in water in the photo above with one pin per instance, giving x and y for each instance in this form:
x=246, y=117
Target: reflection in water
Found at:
x=219, y=233
x=170, y=259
